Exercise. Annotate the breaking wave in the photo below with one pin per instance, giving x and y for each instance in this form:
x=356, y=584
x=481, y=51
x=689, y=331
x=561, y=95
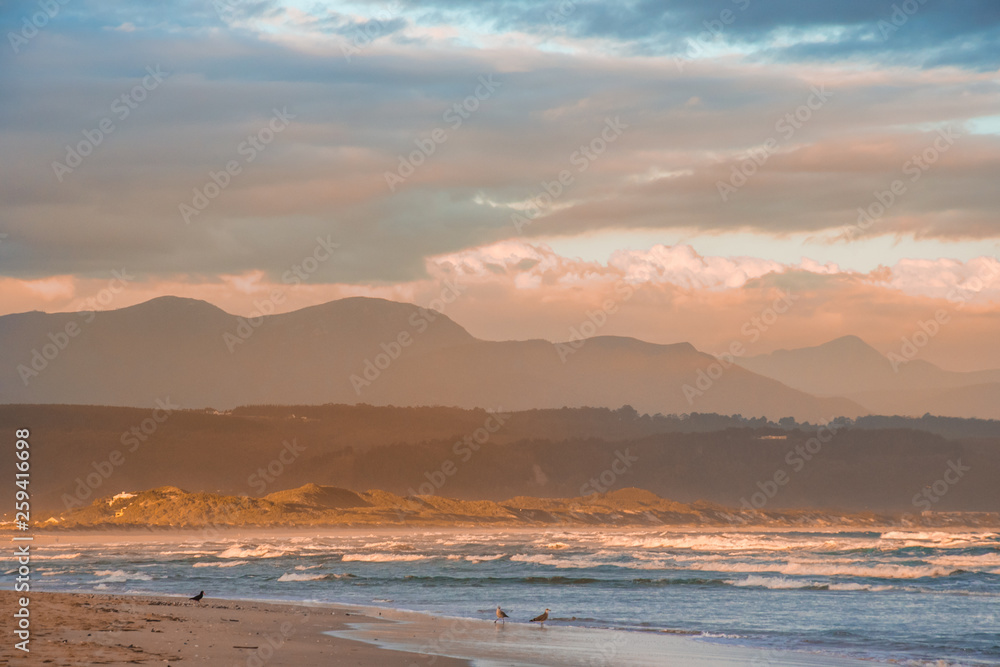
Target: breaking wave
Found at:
x=382, y=558
x=291, y=576
x=231, y=563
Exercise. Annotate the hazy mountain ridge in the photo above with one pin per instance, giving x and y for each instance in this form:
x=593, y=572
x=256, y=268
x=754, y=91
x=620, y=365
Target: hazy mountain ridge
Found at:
x=850, y=367
x=360, y=350
x=316, y=505
x=364, y=350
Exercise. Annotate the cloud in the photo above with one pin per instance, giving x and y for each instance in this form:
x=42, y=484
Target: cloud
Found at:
x=370, y=83
x=520, y=290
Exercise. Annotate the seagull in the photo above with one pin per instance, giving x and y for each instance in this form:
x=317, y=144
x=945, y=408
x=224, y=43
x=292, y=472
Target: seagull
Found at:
x=198, y=597
x=501, y=614
x=541, y=619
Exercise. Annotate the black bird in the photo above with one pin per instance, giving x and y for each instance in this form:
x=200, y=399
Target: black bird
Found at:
x=541, y=619
x=198, y=597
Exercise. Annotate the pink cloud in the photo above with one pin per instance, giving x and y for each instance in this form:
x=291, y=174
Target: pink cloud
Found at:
x=667, y=294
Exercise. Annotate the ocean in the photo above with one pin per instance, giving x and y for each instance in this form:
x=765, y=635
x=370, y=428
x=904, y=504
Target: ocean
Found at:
x=920, y=598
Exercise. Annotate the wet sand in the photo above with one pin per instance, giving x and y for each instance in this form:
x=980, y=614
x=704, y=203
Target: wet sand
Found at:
x=97, y=629
x=488, y=644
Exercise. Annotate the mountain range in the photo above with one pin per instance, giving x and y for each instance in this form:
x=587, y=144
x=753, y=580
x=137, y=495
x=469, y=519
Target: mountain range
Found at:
x=365, y=350
x=851, y=368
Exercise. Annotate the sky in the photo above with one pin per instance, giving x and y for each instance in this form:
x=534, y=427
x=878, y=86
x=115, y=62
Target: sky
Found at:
x=668, y=169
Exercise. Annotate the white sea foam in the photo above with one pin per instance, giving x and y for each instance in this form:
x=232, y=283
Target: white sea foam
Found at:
x=390, y=545
x=939, y=538
x=851, y=586
x=382, y=558
x=875, y=570
x=260, y=551
x=120, y=576
x=228, y=563
x=582, y=562
x=784, y=583
x=291, y=576
x=777, y=583
x=60, y=556
x=971, y=562
x=480, y=559
x=728, y=543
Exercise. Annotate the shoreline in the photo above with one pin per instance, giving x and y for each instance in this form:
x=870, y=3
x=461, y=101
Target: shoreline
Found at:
x=117, y=629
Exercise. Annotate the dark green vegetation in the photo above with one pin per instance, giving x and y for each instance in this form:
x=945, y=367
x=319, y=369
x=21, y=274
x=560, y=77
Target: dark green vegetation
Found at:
x=80, y=453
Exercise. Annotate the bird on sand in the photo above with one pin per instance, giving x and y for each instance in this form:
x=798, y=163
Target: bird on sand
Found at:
x=198, y=597
x=501, y=614
x=541, y=619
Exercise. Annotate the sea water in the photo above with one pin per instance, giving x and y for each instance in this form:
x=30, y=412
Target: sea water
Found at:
x=927, y=597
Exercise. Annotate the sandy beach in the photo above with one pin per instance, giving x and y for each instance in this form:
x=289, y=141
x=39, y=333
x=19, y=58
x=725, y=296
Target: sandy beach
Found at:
x=84, y=629
x=93, y=629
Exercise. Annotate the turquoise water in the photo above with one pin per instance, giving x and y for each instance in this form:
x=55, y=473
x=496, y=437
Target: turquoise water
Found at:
x=905, y=596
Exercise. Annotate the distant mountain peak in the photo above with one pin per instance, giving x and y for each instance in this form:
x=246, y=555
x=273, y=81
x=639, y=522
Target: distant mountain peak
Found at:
x=174, y=304
x=849, y=341
x=628, y=342
x=832, y=350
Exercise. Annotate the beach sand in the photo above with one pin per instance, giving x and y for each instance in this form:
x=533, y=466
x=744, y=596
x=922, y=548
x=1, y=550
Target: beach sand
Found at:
x=100, y=629
x=83, y=629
